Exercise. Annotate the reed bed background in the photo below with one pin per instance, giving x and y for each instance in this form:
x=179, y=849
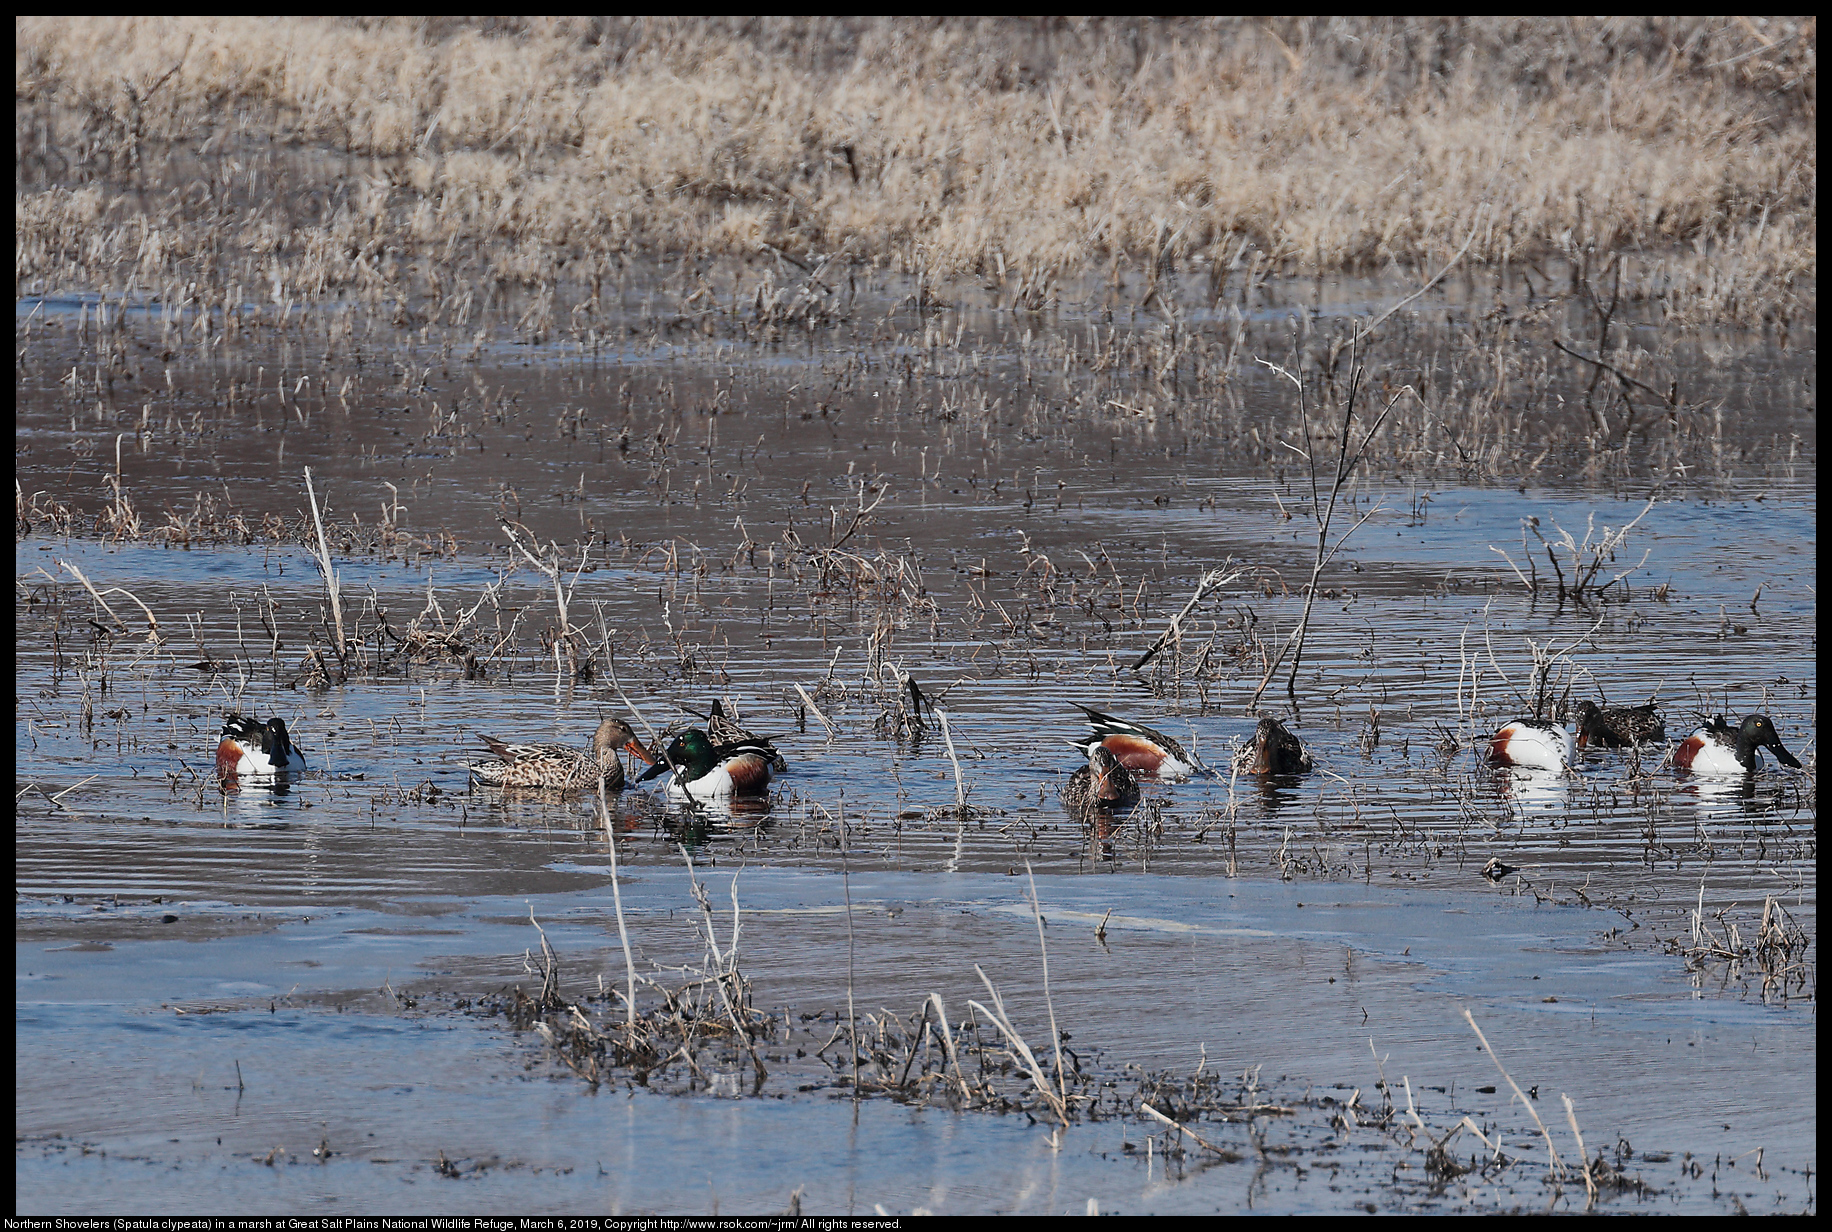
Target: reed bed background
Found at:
x=389, y=159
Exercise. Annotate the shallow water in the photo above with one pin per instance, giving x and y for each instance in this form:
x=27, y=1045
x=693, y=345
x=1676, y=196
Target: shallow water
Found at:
x=295, y=998
x=1018, y=562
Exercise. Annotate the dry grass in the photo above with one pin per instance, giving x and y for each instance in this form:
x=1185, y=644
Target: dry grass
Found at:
x=394, y=159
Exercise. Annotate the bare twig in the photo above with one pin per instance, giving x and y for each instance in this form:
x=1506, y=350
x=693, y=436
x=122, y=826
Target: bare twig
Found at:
x=1432, y=282
x=1211, y=580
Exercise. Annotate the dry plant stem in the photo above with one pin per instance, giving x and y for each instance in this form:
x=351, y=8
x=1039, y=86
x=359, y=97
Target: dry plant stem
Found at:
x=1481, y=212
x=152, y=622
x=1044, y=949
x=58, y=799
x=1211, y=580
x=562, y=594
x=1346, y=462
x=1590, y=1184
x=1554, y=1163
x=816, y=711
x=852, y=1020
x=623, y=932
x=725, y=964
x=960, y=790
x=655, y=741
x=324, y=567
x=550, y=974
x=1003, y=1023
x=947, y=1042
x=1185, y=1130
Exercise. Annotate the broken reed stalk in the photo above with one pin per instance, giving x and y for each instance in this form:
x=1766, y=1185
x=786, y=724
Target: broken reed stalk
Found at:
x=324, y=567
x=1211, y=580
x=947, y=1042
x=1185, y=1130
x=550, y=968
x=623, y=932
x=120, y=511
x=1554, y=1163
x=816, y=710
x=152, y=622
x=960, y=790
x=1044, y=949
x=725, y=964
x=1347, y=460
x=852, y=1021
x=1590, y=1184
x=562, y=594
x=1003, y=1023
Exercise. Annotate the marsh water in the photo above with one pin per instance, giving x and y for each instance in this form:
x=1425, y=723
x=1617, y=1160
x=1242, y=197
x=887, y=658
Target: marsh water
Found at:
x=257, y=999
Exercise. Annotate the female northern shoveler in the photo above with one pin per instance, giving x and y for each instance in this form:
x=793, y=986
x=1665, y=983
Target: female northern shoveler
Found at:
x=1138, y=747
x=1533, y=744
x=561, y=766
x=1103, y=783
x=722, y=729
x=249, y=746
x=1718, y=748
x=1273, y=750
x=705, y=771
x=1618, y=727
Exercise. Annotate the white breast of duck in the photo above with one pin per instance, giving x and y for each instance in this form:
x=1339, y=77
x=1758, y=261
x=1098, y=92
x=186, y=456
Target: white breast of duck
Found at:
x=1533, y=744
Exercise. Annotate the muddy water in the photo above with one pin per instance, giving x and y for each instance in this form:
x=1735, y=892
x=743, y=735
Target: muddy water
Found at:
x=1019, y=560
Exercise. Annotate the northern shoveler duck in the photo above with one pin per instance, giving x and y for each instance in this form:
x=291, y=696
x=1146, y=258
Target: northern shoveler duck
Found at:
x=249, y=746
x=561, y=766
x=1138, y=747
x=1273, y=750
x=1533, y=744
x=722, y=729
x=1104, y=783
x=1619, y=727
x=1718, y=748
x=705, y=771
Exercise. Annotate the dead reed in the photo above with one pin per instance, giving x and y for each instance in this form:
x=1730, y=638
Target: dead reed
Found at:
x=1678, y=150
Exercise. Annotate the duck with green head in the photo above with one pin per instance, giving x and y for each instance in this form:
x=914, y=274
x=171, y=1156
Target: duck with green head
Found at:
x=705, y=771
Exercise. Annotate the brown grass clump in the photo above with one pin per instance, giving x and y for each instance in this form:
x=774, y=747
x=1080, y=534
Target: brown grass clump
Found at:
x=387, y=157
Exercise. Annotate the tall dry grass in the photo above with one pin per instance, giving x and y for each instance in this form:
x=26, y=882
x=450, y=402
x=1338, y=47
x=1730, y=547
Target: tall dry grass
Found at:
x=163, y=149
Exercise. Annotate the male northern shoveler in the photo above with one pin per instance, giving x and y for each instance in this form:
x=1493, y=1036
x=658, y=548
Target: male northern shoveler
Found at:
x=722, y=729
x=1104, y=783
x=1273, y=750
x=560, y=766
x=704, y=770
x=1718, y=748
x=1619, y=727
x=1533, y=744
x=1138, y=747
x=249, y=746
